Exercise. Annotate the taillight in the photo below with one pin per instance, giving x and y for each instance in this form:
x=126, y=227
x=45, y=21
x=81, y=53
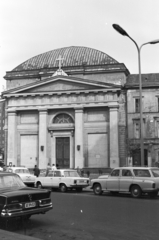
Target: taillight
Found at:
x=75, y=181
x=153, y=185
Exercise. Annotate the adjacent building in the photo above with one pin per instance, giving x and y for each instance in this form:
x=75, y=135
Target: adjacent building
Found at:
x=67, y=107
x=2, y=121
x=150, y=107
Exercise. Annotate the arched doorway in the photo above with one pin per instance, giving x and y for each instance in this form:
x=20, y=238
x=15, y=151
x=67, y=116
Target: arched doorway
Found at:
x=62, y=142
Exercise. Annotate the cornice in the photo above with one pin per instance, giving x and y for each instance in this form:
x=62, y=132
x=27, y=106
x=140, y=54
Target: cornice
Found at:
x=72, y=70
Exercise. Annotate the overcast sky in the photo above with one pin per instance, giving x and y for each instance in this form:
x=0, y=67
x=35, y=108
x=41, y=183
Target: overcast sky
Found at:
x=32, y=27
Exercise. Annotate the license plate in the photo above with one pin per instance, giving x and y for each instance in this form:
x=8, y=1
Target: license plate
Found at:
x=30, y=205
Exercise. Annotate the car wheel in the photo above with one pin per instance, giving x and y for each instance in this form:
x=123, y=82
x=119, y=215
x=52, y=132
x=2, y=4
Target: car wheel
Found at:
x=97, y=189
x=153, y=194
x=39, y=185
x=79, y=189
x=136, y=191
x=63, y=188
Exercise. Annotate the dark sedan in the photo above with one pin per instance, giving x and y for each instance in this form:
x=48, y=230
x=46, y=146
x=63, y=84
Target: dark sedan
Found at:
x=18, y=200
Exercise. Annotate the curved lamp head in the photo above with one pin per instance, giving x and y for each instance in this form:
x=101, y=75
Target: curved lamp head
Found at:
x=120, y=30
x=154, y=41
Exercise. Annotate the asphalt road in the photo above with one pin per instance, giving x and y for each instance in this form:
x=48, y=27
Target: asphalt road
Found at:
x=84, y=216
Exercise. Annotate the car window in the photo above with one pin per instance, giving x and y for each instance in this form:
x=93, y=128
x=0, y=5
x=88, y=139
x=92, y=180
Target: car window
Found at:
x=126, y=173
x=71, y=174
x=155, y=172
x=141, y=173
x=11, y=181
x=57, y=174
x=115, y=173
x=22, y=171
x=50, y=174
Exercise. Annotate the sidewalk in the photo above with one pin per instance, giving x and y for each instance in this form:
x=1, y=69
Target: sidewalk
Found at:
x=6, y=235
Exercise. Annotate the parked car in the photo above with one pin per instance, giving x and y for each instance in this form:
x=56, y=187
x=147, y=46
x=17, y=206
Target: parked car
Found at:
x=24, y=174
x=18, y=200
x=62, y=179
x=136, y=180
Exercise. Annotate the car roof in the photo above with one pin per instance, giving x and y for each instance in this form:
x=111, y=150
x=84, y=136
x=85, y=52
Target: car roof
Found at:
x=64, y=170
x=136, y=167
x=18, y=167
x=7, y=174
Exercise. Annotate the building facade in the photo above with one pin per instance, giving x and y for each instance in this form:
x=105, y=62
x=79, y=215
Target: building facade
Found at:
x=66, y=107
x=150, y=107
x=2, y=122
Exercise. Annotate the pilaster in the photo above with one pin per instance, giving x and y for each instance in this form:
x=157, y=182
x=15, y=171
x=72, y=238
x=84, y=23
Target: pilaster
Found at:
x=43, y=161
x=12, y=138
x=79, y=154
x=114, y=139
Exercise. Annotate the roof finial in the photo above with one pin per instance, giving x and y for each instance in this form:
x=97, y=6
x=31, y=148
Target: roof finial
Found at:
x=60, y=59
x=60, y=71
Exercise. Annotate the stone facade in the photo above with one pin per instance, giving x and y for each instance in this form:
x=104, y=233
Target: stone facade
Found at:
x=73, y=121
x=150, y=107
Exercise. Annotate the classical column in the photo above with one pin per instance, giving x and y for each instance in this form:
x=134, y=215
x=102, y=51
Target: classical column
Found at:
x=43, y=161
x=114, y=140
x=79, y=158
x=12, y=138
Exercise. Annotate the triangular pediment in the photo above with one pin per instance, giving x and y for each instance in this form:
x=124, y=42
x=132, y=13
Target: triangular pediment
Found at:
x=62, y=84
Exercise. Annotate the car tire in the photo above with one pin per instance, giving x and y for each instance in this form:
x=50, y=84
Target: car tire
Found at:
x=136, y=191
x=153, y=194
x=97, y=189
x=63, y=188
x=39, y=185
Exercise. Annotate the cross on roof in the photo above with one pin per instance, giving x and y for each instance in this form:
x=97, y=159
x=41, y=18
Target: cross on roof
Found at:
x=60, y=59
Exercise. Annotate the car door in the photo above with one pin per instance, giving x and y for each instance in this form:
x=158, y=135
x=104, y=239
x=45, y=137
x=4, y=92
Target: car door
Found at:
x=56, y=179
x=125, y=180
x=48, y=180
x=113, y=180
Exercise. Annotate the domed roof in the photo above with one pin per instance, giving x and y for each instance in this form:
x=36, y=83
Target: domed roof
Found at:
x=72, y=56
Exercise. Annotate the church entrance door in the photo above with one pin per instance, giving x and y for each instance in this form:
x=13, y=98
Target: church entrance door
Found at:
x=63, y=152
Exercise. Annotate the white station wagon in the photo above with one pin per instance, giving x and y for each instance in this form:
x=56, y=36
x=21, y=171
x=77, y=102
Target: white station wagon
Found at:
x=24, y=174
x=136, y=180
x=62, y=179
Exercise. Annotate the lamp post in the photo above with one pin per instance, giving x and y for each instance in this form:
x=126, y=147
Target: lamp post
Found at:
x=124, y=33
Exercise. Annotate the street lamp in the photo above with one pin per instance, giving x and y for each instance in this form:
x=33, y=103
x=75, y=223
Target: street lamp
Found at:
x=124, y=33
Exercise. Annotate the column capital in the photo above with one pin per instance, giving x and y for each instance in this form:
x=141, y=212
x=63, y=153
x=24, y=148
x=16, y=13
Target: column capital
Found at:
x=43, y=110
x=79, y=109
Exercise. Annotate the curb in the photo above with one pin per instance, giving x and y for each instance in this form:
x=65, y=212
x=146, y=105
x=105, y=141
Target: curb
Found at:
x=6, y=235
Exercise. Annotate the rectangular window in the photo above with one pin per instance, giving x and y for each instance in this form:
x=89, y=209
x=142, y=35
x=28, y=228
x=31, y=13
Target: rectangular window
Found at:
x=157, y=127
x=137, y=105
x=137, y=129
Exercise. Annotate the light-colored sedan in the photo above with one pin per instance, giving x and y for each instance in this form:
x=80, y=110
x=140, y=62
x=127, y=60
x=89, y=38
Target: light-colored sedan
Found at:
x=136, y=180
x=24, y=174
x=62, y=179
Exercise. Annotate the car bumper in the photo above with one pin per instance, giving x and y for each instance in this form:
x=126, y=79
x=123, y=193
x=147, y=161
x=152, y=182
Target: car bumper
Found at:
x=32, y=211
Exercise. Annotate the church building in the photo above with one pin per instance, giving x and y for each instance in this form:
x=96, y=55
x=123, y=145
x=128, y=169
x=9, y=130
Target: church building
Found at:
x=67, y=107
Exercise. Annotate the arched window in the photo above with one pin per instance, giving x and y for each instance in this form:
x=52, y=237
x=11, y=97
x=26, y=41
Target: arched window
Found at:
x=62, y=118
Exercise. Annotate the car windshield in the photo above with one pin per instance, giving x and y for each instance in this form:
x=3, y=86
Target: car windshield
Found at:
x=22, y=171
x=10, y=181
x=155, y=172
x=71, y=174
